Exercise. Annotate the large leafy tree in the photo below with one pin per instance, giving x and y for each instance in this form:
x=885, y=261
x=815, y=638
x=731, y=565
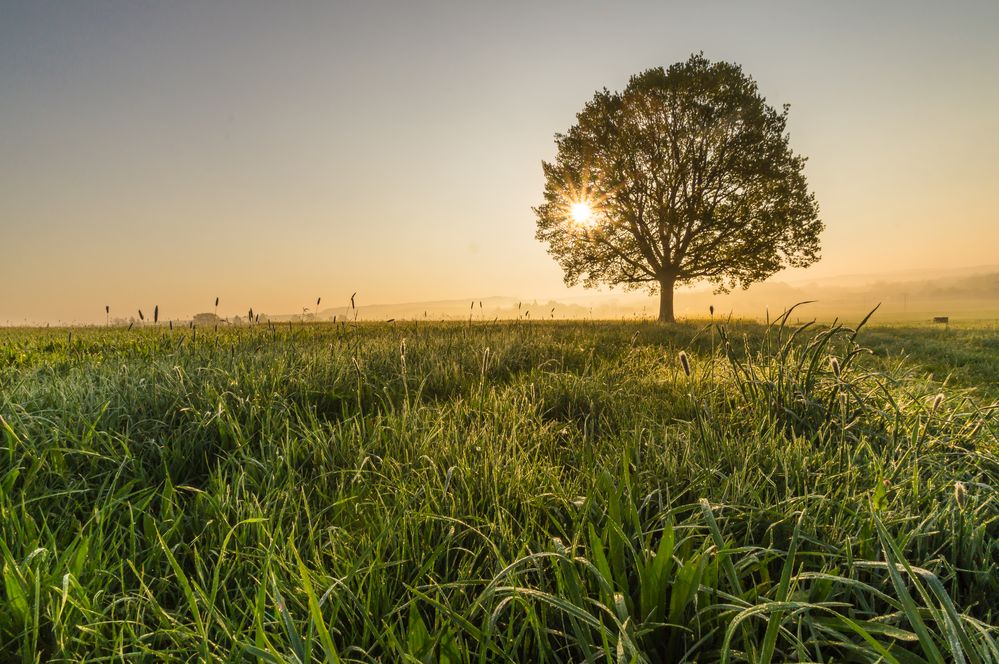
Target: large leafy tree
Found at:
x=685, y=176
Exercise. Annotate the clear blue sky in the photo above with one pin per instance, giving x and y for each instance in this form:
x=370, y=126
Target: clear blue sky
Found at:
x=270, y=153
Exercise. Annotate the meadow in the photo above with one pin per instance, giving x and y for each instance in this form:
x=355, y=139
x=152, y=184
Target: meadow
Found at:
x=582, y=491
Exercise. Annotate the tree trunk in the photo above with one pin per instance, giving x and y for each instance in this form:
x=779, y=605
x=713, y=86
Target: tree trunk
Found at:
x=666, y=301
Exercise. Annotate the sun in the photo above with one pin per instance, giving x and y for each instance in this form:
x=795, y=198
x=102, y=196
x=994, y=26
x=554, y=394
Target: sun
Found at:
x=581, y=213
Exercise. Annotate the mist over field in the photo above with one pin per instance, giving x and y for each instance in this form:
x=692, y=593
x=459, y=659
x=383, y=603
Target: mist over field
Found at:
x=962, y=294
x=968, y=294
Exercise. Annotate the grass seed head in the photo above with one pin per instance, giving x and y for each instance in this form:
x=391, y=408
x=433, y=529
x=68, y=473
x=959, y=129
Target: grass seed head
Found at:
x=834, y=363
x=960, y=494
x=937, y=401
x=685, y=363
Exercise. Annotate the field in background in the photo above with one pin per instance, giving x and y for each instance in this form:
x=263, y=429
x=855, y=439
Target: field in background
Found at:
x=967, y=295
x=454, y=492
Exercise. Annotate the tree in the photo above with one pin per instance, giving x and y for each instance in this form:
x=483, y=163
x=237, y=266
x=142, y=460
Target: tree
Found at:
x=685, y=176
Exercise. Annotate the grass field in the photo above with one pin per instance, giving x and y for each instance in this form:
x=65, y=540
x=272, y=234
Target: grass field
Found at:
x=503, y=492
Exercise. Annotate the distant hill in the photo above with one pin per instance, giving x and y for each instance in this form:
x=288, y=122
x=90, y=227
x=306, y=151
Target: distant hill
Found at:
x=971, y=293
x=973, y=296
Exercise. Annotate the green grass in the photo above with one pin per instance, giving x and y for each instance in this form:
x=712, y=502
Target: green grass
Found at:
x=502, y=492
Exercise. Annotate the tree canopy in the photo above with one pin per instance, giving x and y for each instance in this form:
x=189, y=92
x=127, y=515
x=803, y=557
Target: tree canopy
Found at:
x=685, y=176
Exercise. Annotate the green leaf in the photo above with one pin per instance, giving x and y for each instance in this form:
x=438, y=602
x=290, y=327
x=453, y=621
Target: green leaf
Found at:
x=17, y=597
x=314, y=611
x=783, y=588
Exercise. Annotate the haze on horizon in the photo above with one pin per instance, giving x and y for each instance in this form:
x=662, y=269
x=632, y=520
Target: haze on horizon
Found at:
x=169, y=153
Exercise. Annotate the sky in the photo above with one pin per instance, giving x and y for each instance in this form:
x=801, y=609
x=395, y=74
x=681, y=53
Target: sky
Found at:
x=272, y=153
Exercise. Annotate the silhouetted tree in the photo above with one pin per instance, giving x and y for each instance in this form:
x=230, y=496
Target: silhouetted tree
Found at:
x=685, y=176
